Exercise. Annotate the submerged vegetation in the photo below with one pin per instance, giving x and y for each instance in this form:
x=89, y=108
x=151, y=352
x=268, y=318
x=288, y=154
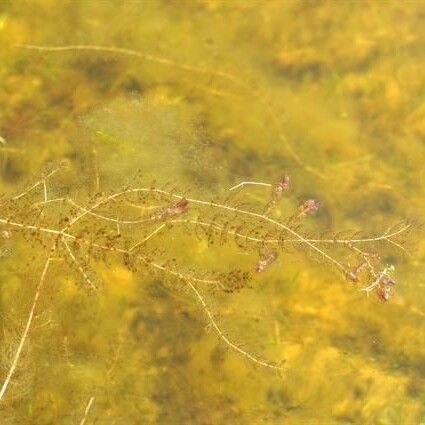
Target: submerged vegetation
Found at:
x=195, y=186
x=118, y=228
x=124, y=222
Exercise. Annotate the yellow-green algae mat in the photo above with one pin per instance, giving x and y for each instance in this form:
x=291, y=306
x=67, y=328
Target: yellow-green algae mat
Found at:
x=187, y=99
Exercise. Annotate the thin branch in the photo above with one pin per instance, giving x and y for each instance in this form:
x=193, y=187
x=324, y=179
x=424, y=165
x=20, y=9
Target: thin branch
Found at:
x=158, y=229
x=262, y=217
x=106, y=218
x=148, y=262
x=385, y=237
x=26, y=330
x=223, y=337
x=44, y=190
x=50, y=201
x=87, y=410
x=36, y=184
x=250, y=183
x=78, y=265
x=32, y=227
x=398, y=246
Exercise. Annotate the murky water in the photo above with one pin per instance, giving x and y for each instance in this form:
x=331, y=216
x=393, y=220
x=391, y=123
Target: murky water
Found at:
x=151, y=310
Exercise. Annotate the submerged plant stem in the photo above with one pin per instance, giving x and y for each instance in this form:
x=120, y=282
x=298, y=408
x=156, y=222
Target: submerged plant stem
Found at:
x=87, y=410
x=27, y=328
x=233, y=79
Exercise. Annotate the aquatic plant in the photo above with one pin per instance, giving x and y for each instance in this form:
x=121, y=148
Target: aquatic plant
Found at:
x=233, y=80
x=121, y=227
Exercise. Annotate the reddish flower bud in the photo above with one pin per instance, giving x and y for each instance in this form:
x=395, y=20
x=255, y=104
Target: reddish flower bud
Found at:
x=178, y=208
x=311, y=206
x=385, y=292
x=266, y=261
x=281, y=186
x=388, y=281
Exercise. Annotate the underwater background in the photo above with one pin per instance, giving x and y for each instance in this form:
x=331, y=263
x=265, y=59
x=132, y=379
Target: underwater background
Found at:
x=201, y=95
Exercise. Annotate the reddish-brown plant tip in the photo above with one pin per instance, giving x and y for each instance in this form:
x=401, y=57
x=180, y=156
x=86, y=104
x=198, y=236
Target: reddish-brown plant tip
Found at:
x=385, y=292
x=388, y=281
x=178, y=208
x=266, y=261
x=354, y=275
x=174, y=210
x=278, y=190
x=309, y=207
x=386, y=288
x=281, y=186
